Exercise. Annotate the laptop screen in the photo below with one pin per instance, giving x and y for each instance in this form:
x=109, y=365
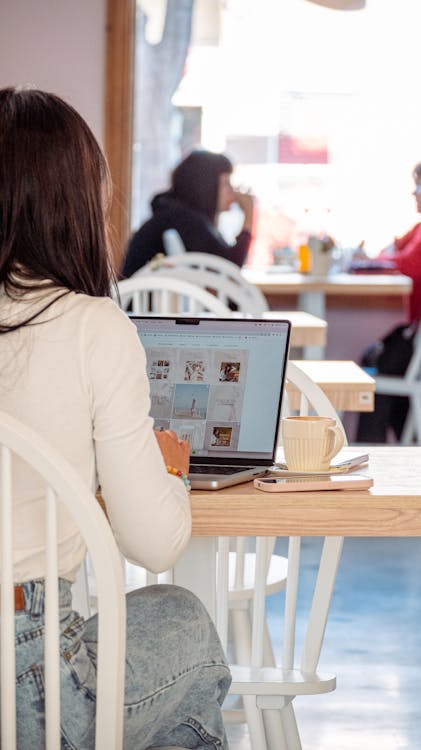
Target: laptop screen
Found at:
x=217, y=383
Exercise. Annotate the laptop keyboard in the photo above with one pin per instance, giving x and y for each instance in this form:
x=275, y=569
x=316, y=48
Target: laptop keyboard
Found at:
x=206, y=469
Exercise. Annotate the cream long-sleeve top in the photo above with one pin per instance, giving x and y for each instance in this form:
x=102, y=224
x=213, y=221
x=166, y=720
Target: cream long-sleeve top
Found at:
x=78, y=378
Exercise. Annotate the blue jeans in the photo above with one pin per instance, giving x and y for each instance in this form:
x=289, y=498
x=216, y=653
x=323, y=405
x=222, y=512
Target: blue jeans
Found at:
x=176, y=673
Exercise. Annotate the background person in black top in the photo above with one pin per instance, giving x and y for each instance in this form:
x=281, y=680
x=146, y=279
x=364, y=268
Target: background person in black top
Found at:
x=200, y=190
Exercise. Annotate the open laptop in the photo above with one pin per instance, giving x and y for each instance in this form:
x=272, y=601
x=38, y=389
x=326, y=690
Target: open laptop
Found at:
x=218, y=383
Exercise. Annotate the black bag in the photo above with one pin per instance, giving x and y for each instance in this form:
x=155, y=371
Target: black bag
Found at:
x=388, y=356
x=391, y=355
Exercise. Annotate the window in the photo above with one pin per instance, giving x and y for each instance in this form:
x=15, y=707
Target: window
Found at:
x=318, y=108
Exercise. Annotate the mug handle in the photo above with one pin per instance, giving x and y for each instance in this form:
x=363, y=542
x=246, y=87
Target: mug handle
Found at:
x=338, y=442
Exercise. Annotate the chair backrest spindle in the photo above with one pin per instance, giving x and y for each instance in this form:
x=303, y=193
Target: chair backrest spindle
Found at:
x=52, y=660
x=222, y=590
x=156, y=293
x=213, y=272
x=258, y=618
x=7, y=619
x=291, y=592
x=329, y=562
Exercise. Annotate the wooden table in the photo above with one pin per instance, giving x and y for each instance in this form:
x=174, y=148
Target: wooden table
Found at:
x=392, y=507
x=307, y=332
x=313, y=290
x=345, y=383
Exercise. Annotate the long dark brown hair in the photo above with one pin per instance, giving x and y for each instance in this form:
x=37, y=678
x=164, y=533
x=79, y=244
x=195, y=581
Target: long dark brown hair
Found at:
x=54, y=189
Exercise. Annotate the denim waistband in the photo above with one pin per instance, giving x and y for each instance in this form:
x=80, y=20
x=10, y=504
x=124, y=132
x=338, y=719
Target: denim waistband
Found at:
x=34, y=595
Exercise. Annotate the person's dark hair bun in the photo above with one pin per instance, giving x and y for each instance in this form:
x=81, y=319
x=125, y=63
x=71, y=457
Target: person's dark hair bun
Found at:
x=195, y=180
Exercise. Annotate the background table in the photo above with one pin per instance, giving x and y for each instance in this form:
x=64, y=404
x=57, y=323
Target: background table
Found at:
x=359, y=309
x=345, y=383
x=308, y=332
x=313, y=290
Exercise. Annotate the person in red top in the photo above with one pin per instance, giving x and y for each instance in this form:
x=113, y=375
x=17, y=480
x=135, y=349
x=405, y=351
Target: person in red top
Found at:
x=391, y=411
x=405, y=252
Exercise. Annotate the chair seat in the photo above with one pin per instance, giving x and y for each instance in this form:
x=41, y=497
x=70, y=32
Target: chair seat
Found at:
x=275, y=580
x=277, y=681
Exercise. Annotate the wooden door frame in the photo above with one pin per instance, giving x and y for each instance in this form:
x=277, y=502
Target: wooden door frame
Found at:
x=118, y=116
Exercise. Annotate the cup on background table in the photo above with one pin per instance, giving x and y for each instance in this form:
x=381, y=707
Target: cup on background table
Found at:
x=310, y=443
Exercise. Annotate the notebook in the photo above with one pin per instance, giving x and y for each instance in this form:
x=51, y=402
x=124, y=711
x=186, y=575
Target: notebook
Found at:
x=218, y=383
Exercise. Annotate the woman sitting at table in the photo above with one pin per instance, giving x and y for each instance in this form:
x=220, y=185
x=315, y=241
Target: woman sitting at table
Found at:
x=391, y=411
x=200, y=190
x=405, y=252
x=74, y=369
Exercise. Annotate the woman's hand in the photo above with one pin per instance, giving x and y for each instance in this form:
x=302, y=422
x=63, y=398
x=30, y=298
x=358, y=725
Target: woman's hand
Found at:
x=176, y=452
x=246, y=202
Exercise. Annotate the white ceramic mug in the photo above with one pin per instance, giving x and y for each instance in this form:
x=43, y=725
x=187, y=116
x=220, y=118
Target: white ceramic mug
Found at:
x=310, y=442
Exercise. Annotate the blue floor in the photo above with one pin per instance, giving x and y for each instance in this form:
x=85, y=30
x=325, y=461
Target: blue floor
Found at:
x=372, y=644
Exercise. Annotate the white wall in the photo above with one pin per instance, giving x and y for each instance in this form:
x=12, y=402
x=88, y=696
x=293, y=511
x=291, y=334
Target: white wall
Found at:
x=59, y=46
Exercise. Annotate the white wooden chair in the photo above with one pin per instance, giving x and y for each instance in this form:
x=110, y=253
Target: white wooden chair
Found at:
x=272, y=688
x=270, y=715
x=63, y=485
x=211, y=271
x=158, y=293
x=408, y=385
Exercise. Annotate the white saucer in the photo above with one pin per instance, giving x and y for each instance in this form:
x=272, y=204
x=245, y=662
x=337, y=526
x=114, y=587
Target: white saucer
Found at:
x=283, y=470
x=351, y=463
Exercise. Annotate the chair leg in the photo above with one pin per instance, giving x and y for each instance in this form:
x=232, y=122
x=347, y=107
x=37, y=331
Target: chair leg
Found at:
x=274, y=730
x=280, y=726
x=416, y=411
x=290, y=728
x=242, y=649
x=255, y=724
x=241, y=631
x=409, y=429
x=268, y=653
